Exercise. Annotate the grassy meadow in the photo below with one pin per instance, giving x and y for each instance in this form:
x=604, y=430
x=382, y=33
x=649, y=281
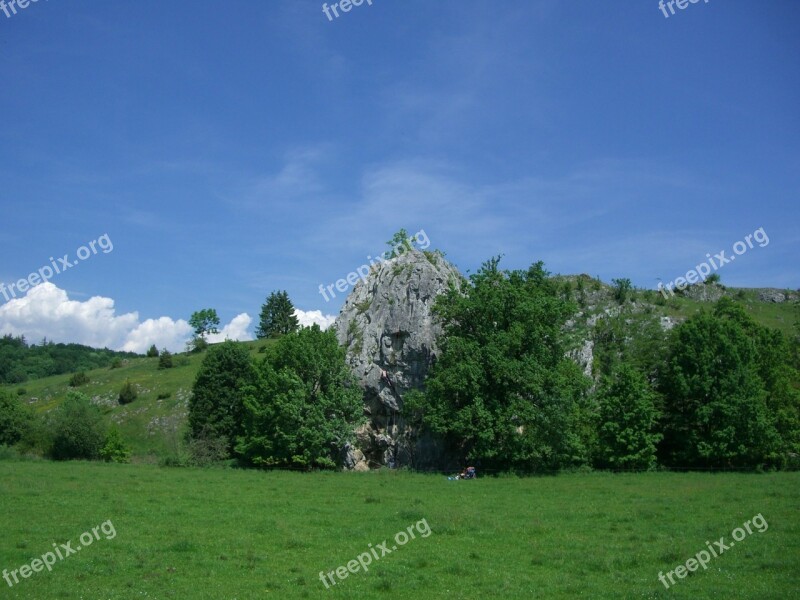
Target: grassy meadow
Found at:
x=222, y=533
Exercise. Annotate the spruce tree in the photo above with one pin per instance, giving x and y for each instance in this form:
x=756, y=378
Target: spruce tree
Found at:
x=277, y=316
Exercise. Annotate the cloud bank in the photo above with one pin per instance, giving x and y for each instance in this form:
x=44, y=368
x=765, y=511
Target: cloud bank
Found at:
x=47, y=311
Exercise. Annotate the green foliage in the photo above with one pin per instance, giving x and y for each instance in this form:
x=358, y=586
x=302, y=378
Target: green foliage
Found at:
x=729, y=399
x=115, y=450
x=197, y=345
x=362, y=307
x=21, y=362
x=635, y=339
x=116, y=363
x=78, y=379
x=277, y=316
x=217, y=402
x=165, y=359
x=432, y=256
x=626, y=421
x=127, y=394
x=502, y=392
x=304, y=406
x=76, y=429
x=204, y=321
x=713, y=278
x=398, y=245
x=15, y=419
x=622, y=289
x=152, y=352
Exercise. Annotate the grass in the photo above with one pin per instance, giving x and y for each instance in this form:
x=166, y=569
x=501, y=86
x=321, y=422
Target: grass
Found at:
x=191, y=533
x=152, y=424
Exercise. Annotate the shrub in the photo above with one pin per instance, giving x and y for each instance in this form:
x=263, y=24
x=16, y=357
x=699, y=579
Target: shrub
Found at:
x=622, y=289
x=78, y=379
x=163, y=395
x=152, y=352
x=197, y=345
x=21, y=391
x=15, y=419
x=116, y=363
x=127, y=394
x=115, y=449
x=76, y=429
x=165, y=360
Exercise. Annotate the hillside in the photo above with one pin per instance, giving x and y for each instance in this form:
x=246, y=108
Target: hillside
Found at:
x=152, y=424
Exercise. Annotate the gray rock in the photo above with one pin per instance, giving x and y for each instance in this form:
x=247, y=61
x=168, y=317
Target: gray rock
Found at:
x=772, y=295
x=391, y=337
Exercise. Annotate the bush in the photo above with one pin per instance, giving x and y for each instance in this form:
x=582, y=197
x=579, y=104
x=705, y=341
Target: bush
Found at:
x=197, y=345
x=115, y=449
x=78, y=379
x=21, y=391
x=15, y=419
x=76, y=429
x=163, y=395
x=127, y=394
x=152, y=352
x=165, y=360
x=622, y=289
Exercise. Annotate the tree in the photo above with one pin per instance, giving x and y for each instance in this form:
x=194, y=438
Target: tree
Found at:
x=627, y=419
x=77, y=429
x=15, y=419
x=152, y=352
x=165, y=360
x=502, y=391
x=115, y=449
x=127, y=394
x=718, y=387
x=277, y=316
x=398, y=245
x=204, y=321
x=304, y=406
x=216, y=404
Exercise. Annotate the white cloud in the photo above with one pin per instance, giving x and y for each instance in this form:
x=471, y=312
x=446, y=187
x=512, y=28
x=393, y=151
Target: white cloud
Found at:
x=308, y=318
x=47, y=311
x=163, y=332
x=235, y=330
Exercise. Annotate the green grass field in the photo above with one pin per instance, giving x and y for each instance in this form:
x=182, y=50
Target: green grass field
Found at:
x=193, y=533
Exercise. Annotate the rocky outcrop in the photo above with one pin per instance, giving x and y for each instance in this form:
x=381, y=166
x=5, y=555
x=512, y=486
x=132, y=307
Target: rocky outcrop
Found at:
x=391, y=337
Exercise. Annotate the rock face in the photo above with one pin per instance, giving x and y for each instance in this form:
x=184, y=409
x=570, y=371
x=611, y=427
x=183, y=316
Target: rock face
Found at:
x=391, y=338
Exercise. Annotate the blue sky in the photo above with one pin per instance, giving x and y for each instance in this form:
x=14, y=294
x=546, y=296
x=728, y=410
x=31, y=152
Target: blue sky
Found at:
x=231, y=149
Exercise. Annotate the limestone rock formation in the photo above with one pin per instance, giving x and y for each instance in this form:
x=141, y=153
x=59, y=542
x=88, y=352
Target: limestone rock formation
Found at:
x=391, y=337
